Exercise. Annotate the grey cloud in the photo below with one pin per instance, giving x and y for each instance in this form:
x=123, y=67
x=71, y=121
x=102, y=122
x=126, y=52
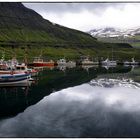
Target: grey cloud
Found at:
x=72, y=7
x=61, y=13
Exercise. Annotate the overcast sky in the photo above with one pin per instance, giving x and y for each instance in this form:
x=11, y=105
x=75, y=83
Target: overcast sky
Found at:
x=87, y=16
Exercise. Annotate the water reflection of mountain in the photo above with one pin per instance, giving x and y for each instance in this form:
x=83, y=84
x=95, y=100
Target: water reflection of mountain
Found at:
x=15, y=99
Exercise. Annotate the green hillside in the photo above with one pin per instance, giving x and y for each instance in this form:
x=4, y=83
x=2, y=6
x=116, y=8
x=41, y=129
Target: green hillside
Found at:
x=22, y=30
x=134, y=41
x=20, y=24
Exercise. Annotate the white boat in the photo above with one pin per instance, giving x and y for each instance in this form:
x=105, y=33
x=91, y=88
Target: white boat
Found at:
x=108, y=62
x=63, y=62
x=86, y=61
x=14, y=78
x=71, y=64
x=133, y=62
x=20, y=69
x=126, y=63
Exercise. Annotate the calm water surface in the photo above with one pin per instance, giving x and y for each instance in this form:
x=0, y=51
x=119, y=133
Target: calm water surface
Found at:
x=73, y=102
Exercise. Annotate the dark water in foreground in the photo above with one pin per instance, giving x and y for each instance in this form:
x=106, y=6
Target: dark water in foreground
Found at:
x=76, y=102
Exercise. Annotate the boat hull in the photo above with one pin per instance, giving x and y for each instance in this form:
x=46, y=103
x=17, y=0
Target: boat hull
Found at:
x=9, y=72
x=109, y=63
x=24, y=81
x=13, y=78
x=33, y=73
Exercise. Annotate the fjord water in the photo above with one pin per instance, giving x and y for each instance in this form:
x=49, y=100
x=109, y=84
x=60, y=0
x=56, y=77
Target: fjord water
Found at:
x=75, y=102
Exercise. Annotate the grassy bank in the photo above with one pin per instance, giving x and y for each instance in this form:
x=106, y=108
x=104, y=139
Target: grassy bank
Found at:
x=69, y=53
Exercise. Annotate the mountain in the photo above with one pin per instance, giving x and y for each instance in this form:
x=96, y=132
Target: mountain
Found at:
x=20, y=25
x=24, y=33
x=114, y=32
x=114, y=35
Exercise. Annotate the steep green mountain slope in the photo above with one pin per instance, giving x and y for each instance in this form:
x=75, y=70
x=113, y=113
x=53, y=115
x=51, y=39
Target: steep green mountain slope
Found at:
x=20, y=24
x=134, y=41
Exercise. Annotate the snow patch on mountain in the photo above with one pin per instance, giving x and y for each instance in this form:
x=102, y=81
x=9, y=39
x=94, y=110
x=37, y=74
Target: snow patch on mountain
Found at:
x=114, y=32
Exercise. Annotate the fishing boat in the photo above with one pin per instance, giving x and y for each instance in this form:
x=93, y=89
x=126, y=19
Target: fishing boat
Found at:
x=108, y=62
x=63, y=62
x=133, y=62
x=38, y=62
x=19, y=69
x=71, y=64
x=126, y=63
x=14, y=78
x=86, y=61
x=22, y=68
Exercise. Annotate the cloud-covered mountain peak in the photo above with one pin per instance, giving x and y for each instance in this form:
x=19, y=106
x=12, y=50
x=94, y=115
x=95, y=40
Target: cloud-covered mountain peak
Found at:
x=114, y=32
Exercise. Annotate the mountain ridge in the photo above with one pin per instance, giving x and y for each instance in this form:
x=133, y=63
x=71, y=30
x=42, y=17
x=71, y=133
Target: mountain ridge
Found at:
x=21, y=24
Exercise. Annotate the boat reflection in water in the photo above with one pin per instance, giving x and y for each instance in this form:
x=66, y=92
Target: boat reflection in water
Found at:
x=18, y=84
x=46, y=83
x=93, y=109
x=87, y=67
x=100, y=103
x=13, y=98
x=62, y=68
x=44, y=67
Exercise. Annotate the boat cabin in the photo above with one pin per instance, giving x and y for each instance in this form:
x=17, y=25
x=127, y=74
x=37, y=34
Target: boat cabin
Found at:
x=37, y=59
